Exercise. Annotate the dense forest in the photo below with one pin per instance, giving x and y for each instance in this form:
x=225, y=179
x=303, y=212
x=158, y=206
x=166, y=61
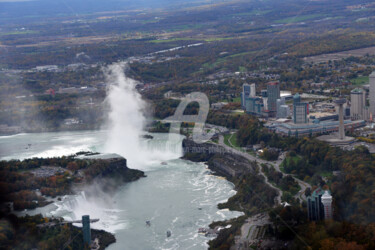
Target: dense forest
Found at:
x=352, y=187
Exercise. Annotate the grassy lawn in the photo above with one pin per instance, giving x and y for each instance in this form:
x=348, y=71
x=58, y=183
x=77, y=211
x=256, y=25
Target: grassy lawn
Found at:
x=253, y=13
x=172, y=40
x=241, y=54
x=217, y=39
x=325, y=174
x=282, y=169
x=20, y=32
x=226, y=139
x=237, y=100
x=210, y=65
x=212, y=39
x=287, y=161
x=242, y=69
x=231, y=139
x=294, y=158
x=361, y=80
x=297, y=19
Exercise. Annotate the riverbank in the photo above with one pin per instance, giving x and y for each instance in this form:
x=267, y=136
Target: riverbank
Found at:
x=39, y=179
x=253, y=195
x=32, y=183
x=155, y=127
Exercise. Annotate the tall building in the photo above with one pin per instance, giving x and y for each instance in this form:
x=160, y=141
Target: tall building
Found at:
x=273, y=93
x=86, y=229
x=279, y=102
x=246, y=89
x=315, y=208
x=296, y=99
x=300, y=110
x=252, y=90
x=347, y=112
x=366, y=113
x=254, y=105
x=264, y=95
x=364, y=99
x=372, y=94
x=358, y=103
x=283, y=111
x=327, y=204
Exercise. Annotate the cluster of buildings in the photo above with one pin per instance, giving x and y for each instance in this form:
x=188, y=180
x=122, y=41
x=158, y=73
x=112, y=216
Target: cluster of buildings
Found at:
x=265, y=105
x=294, y=118
x=272, y=105
x=71, y=90
x=75, y=90
x=319, y=205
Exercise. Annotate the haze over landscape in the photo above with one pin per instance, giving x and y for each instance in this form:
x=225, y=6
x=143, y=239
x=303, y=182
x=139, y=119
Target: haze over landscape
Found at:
x=282, y=157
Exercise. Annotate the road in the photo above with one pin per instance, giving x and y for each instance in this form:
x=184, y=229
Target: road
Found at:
x=252, y=158
x=248, y=228
x=303, y=185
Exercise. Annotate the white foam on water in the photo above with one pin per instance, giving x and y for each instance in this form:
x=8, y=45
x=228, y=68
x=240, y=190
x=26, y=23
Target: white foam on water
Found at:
x=125, y=128
x=73, y=207
x=12, y=136
x=57, y=151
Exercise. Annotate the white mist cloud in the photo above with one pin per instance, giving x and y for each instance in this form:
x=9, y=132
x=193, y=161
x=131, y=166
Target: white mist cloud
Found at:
x=126, y=123
x=125, y=119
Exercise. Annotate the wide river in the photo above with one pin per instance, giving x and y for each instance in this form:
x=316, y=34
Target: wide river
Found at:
x=176, y=195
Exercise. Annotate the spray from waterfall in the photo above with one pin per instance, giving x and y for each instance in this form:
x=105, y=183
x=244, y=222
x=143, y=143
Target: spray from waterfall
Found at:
x=126, y=122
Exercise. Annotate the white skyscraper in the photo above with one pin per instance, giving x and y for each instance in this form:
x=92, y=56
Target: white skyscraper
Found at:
x=327, y=204
x=252, y=90
x=358, y=103
x=372, y=94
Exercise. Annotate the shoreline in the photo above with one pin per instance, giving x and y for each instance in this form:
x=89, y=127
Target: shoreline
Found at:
x=45, y=185
x=236, y=169
x=220, y=163
x=148, y=129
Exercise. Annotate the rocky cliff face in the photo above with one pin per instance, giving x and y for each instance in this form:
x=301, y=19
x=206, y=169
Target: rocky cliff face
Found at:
x=117, y=168
x=111, y=173
x=218, y=158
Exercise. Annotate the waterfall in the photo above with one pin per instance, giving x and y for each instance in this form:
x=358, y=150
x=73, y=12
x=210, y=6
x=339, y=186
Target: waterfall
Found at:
x=126, y=123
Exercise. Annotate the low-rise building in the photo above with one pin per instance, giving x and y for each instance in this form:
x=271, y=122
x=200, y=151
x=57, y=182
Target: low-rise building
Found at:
x=312, y=128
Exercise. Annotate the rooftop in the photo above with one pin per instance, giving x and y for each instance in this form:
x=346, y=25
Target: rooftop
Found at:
x=272, y=83
x=340, y=101
x=317, y=192
x=326, y=195
x=357, y=90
